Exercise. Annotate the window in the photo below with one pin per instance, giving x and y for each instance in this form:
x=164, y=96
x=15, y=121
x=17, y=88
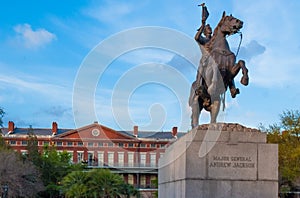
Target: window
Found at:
x=121, y=159
x=143, y=180
x=24, y=142
x=143, y=159
x=69, y=143
x=100, y=144
x=80, y=143
x=46, y=143
x=143, y=145
x=121, y=145
x=153, y=145
x=13, y=142
x=90, y=158
x=130, y=179
x=100, y=159
x=90, y=144
x=130, y=145
x=153, y=159
x=79, y=156
x=153, y=179
x=130, y=159
x=59, y=143
x=110, y=157
x=24, y=152
x=110, y=144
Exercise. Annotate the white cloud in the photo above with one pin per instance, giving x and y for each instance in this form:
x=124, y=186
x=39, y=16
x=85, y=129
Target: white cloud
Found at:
x=33, y=38
x=108, y=12
x=145, y=55
x=273, y=25
x=26, y=86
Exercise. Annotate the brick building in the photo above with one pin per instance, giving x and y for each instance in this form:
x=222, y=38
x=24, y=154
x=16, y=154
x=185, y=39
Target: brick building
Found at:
x=133, y=154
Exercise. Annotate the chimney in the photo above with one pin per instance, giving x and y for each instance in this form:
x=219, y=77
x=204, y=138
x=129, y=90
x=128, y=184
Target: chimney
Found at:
x=135, y=131
x=54, y=128
x=11, y=126
x=174, y=132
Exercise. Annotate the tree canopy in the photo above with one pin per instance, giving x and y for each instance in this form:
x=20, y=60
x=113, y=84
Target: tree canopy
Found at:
x=53, y=165
x=96, y=183
x=286, y=135
x=18, y=173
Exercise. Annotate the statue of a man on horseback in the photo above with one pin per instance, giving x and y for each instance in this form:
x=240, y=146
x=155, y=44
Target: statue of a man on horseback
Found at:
x=217, y=68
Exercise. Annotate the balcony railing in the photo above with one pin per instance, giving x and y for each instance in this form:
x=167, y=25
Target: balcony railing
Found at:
x=121, y=165
x=145, y=186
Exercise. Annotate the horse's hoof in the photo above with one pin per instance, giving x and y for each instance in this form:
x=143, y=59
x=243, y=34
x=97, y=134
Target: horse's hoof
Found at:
x=242, y=62
x=245, y=80
x=234, y=92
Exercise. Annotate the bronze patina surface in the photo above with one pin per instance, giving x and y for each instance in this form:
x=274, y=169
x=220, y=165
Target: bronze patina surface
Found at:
x=217, y=68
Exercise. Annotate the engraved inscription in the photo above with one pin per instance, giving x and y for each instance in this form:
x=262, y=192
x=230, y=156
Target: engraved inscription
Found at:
x=231, y=162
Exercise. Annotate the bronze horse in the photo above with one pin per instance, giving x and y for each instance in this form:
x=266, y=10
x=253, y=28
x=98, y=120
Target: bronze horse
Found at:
x=219, y=71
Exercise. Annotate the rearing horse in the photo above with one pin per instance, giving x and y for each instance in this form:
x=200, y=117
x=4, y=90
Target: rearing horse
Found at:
x=219, y=71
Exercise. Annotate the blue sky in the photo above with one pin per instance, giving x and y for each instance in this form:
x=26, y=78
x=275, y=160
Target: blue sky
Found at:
x=45, y=43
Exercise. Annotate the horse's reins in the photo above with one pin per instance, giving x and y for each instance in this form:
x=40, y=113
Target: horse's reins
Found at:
x=241, y=38
x=237, y=52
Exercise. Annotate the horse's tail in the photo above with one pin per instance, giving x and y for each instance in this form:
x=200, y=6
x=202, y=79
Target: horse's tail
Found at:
x=223, y=100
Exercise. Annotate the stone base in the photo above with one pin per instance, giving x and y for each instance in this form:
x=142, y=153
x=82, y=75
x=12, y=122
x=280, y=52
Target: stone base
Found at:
x=220, y=160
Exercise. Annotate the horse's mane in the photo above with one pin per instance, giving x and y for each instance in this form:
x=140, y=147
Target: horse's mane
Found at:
x=210, y=43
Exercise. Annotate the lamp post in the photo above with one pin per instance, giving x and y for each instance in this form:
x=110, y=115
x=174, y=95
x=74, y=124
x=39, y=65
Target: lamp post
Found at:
x=5, y=191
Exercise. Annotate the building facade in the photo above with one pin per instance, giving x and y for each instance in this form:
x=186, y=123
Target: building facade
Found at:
x=133, y=154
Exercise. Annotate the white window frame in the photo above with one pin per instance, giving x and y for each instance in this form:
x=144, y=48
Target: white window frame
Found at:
x=130, y=179
x=152, y=159
x=121, y=159
x=80, y=159
x=100, y=158
x=143, y=180
x=143, y=159
x=130, y=160
x=110, y=158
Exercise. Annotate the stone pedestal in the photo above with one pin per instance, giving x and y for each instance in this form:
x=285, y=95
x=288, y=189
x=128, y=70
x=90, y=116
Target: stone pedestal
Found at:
x=219, y=160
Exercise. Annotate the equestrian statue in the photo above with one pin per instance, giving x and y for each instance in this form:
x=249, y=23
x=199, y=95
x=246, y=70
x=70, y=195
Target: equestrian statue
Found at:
x=217, y=68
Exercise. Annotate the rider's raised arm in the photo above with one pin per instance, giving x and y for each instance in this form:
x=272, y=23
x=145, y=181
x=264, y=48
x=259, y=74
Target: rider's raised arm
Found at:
x=205, y=15
x=198, y=36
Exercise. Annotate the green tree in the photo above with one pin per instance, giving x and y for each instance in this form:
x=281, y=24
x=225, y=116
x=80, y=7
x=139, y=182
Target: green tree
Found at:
x=32, y=148
x=286, y=135
x=96, y=183
x=290, y=121
x=3, y=145
x=155, y=182
x=53, y=165
x=128, y=190
x=75, y=184
x=103, y=183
